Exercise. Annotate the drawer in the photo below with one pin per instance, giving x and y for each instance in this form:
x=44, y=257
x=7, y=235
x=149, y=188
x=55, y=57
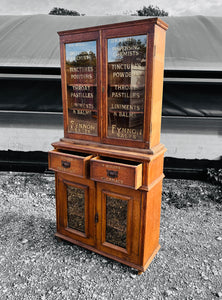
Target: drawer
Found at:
x=75, y=163
x=116, y=171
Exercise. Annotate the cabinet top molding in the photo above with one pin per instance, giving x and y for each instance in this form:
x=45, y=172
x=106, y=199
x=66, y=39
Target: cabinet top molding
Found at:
x=148, y=21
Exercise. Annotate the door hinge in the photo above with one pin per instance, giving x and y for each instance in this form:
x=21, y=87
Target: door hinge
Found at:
x=96, y=218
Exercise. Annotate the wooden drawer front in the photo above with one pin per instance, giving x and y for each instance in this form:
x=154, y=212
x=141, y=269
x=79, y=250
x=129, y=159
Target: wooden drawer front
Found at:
x=73, y=163
x=126, y=173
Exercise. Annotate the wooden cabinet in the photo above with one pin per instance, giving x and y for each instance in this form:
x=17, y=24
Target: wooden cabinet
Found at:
x=110, y=222
x=112, y=79
x=109, y=164
x=114, y=209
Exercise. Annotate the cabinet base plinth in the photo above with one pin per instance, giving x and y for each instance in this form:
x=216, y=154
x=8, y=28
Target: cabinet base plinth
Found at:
x=58, y=239
x=140, y=268
x=151, y=257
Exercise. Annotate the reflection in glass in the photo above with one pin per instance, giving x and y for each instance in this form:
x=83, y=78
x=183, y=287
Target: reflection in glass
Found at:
x=116, y=221
x=126, y=86
x=76, y=208
x=81, y=87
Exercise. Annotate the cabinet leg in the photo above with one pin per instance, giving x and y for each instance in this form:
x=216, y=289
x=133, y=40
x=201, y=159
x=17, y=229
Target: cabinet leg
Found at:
x=58, y=239
x=140, y=272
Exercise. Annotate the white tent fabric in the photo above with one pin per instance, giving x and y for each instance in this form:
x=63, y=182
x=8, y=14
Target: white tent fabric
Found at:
x=32, y=41
x=192, y=43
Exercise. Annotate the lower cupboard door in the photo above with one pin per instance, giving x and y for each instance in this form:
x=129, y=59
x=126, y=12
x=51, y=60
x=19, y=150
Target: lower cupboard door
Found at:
x=118, y=229
x=75, y=209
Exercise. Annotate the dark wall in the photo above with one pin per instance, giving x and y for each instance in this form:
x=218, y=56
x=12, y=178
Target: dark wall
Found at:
x=192, y=97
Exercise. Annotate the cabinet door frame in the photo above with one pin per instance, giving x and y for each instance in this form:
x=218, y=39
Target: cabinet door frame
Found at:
x=105, y=243
x=63, y=180
x=131, y=252
x=78, y=38
x=131, y=31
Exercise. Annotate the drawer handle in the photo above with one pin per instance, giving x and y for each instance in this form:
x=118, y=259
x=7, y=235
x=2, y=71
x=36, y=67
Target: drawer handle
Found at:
x=112, y=174
x=66, y=164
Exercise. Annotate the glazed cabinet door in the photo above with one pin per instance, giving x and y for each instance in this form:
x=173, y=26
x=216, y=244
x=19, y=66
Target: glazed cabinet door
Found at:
x=80, y=70
x=75, y=208
x=118, y=228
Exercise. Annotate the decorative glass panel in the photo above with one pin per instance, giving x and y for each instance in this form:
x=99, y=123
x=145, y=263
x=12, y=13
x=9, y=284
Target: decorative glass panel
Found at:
x=126, y=86
x=76, y=208
x=116, y=221
x=81, y=87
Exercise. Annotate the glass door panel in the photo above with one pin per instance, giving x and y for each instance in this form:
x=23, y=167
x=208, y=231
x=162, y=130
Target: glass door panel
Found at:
x=126, y=87
x=81, y=80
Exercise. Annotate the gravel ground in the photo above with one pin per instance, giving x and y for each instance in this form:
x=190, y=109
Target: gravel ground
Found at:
x=34, y=265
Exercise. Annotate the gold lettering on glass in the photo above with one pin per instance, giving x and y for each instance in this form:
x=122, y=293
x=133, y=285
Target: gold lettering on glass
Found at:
x=82, y=88
x=126, y=87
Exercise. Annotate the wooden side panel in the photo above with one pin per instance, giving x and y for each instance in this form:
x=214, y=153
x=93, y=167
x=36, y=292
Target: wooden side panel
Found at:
x=151, y=222
x=57, y=191
x=157, y=86
x=155, y=169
